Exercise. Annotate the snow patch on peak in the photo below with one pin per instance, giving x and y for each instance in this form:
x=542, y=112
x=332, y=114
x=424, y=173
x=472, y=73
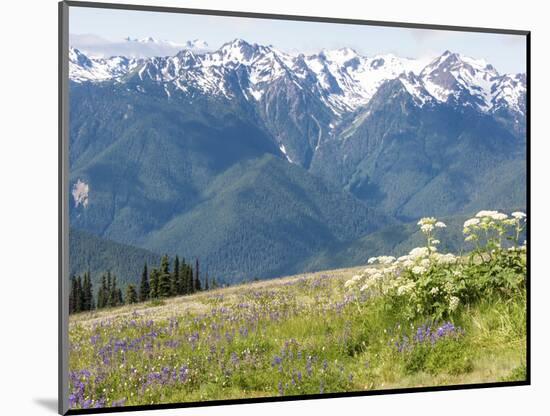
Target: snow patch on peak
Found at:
x=415, y=88
x=339, y=56
x=83, y=68
x=462, y=78
x=509, y=92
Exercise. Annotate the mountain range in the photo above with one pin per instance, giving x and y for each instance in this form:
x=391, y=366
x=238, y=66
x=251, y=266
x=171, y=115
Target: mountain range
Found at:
x=256, y=160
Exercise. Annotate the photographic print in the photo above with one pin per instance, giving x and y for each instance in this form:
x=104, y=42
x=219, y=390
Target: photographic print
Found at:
x=270, y=208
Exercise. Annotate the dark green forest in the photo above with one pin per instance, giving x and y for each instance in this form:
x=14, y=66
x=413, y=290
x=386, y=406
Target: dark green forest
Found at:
x=94, y=255
x=170, y=278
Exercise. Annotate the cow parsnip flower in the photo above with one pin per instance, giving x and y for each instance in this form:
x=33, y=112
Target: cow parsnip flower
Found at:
x=418, y=270
x=471, y=222
x=418, y=252
x=386, y=259
x=427, y=221
x=453, y=303
x=485, y=213
x=349, y=283
x=426, y=228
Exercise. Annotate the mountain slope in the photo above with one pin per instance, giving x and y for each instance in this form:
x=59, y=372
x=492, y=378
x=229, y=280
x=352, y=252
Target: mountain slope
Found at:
x=88, y=252
x=186, y=181
x=432, y=160
x=145, y=160
x=261, y=218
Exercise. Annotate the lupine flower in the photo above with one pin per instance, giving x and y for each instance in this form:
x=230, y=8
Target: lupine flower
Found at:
x=309, y=370
x=276, y=361
x=427, y=334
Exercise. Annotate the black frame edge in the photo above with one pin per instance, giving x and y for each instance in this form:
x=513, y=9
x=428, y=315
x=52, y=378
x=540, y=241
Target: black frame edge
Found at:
x=275, y=399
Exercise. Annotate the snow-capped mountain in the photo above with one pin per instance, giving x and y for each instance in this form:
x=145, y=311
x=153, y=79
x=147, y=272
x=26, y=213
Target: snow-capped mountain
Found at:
x=452, y=77
x=305, y=101
x=343, y=79
x=82, y=68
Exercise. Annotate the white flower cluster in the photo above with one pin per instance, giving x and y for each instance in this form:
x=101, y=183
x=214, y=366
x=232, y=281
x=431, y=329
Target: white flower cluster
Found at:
x=400, y=276
x=425, y=277
x=494, y=215
x=428, y=224
x=453, y=303
x=494, y=226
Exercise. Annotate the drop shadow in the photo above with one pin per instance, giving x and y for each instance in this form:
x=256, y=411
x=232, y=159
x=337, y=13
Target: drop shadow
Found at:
x=49, y=404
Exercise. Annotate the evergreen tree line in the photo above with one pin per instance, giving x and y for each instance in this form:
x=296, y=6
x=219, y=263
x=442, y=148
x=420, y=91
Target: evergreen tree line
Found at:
x=81, y=297
x=167, y=280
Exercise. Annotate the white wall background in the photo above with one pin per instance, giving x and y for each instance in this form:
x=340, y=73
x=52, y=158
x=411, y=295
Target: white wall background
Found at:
x=28, y=205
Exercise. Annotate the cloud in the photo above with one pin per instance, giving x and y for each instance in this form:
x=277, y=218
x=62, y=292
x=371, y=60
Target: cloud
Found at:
x=423, y=36
x=97, y=46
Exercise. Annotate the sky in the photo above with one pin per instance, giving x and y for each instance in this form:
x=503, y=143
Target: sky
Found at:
x=102, y=32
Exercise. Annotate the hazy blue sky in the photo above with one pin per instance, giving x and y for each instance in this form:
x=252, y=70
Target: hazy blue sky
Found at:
x=505, y=52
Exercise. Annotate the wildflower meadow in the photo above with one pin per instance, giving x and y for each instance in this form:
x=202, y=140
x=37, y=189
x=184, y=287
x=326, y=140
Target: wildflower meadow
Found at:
x=426, y=318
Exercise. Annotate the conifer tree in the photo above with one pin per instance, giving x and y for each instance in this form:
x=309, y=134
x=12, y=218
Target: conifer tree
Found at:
x=189, y=281
x=101, y=293
x=175, y=282
x=197, y=277
x=165, y=280
x=206, y=281
x=119, y=298
x=109, y=289
x=84, y=303
x=131, y=294
x=154, y=293
x=105, y=289
x=72, y=295
x=87, y=293
x=144, y=287
x=183, y=277
x=78, y=295
x=90, y=293
x=114, y=292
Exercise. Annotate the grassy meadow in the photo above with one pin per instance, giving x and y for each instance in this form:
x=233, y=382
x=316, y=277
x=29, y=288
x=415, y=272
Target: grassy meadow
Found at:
x=426, y=319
